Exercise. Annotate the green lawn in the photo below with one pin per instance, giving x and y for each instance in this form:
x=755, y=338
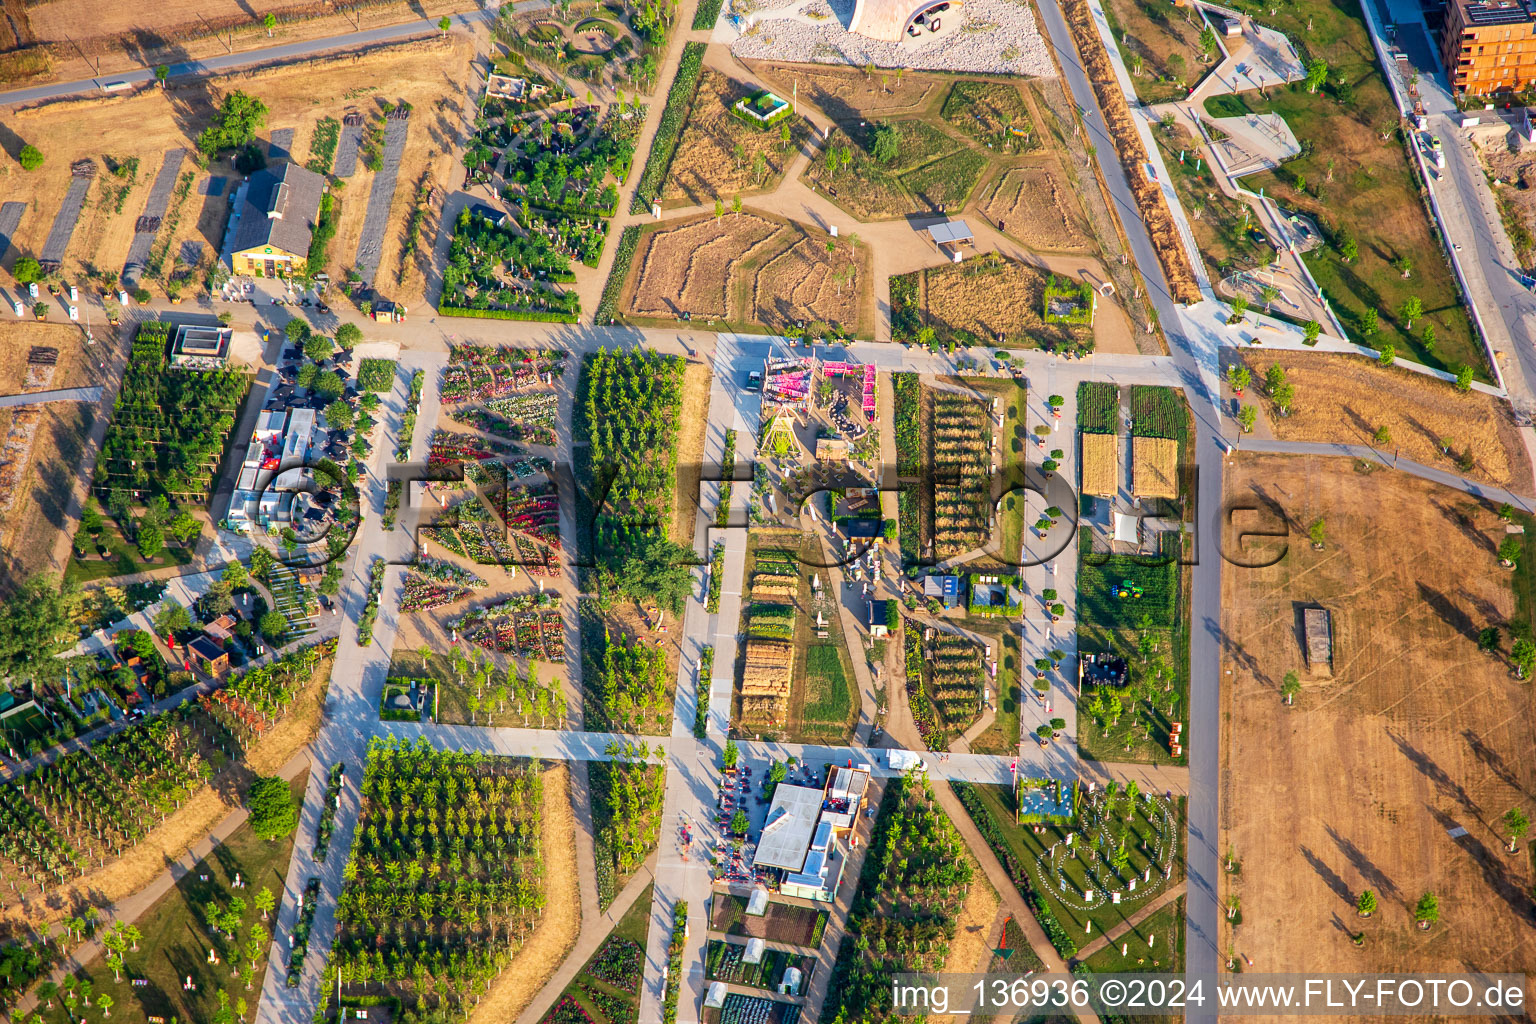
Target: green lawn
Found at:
x=176, y=940
x=1100, y=576
x=1002, y=736
x=1165, y=953
x=947, y=180
x=829, y=705
x=1027, y=847
x=122, y=558
x=603, y=1001
x=1359, y=185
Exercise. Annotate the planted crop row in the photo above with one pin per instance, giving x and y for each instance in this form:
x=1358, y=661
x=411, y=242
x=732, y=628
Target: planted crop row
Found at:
x=664, y=143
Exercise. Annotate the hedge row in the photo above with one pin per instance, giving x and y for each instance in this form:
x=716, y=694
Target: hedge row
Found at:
x=508, y=314
x=623, y=256
x=707, y=14
x=679, y=102
x=987, y=826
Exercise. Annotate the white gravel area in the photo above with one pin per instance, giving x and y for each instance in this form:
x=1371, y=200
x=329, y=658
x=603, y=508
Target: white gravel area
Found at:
x=999, y=37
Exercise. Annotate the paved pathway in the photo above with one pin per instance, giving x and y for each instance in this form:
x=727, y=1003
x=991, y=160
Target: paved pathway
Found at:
x=1488, y=492
x=92, y=394
x=594, y=931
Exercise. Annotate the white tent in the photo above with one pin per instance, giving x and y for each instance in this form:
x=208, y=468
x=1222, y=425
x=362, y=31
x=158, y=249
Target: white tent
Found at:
x=715, y=998
x=757, y=905
x=1127, y=528
x=754, y=953
x=791, y=983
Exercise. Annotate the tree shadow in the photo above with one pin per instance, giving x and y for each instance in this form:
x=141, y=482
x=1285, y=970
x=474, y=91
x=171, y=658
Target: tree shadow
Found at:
x=1442, y=781
x=1374, y=877
x=1495, y=762
x=1330, y=878
x=1449, y=613
x=1464, y=522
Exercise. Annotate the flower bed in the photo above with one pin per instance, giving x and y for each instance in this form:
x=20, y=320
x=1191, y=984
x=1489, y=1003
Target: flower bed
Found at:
x=567, y=1011
x=526, y=626
x=618, y=963
x=432, y=584
x=447, y=447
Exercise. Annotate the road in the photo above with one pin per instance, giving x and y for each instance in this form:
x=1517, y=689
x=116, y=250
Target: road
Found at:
x=1195, y=349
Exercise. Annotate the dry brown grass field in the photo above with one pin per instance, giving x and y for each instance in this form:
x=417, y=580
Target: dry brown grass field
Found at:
x=1101, y=464
x=708, y=164
x=1154, y=467
x=1035, y=205
x=748, y=267
x=1416, y=733
x=429, y=74
x=70, y=39
x=1347, y=398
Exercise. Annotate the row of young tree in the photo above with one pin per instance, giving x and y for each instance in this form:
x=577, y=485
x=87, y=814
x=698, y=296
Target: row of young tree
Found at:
x=66, y=817
x=915, y=879
x=169, y=426
x=627, y=793
x=446, y=875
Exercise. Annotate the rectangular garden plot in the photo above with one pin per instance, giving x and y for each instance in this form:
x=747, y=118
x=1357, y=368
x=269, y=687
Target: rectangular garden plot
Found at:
x=791, y=925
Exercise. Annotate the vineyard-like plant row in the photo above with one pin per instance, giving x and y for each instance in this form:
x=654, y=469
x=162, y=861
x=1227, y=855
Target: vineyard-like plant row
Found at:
x=954, y=678
x=446, y=874
x=959, y=460
x=1158, y=411
x=1098, y=407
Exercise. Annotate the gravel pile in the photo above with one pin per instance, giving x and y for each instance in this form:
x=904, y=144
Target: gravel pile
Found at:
x=1004, y=40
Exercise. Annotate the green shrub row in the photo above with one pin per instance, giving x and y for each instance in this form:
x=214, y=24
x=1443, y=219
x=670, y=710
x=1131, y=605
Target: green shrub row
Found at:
x=707, y=14
x=706, y=669
x=664, y=144
x=716, y=571
x=508, y=314
x=675, y=955
x=988, y=827
x=325, y=230
x=623, y=256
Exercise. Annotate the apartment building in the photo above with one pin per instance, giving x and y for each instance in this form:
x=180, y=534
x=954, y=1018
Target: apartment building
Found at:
x=1489, y=46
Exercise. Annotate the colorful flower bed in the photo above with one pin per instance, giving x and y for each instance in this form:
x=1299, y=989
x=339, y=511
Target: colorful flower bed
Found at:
x=568, y=1011
x=432, y=584
x=527, y=626
x=450, y=448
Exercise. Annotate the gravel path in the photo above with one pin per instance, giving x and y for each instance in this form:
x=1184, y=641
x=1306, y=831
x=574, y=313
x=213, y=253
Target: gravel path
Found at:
x=999, y=37
x=346, y=150
x=90, y=394
x=155, y=206
x=10, y=220
x=371, y=243
x=64, y=224
x=281, y=146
